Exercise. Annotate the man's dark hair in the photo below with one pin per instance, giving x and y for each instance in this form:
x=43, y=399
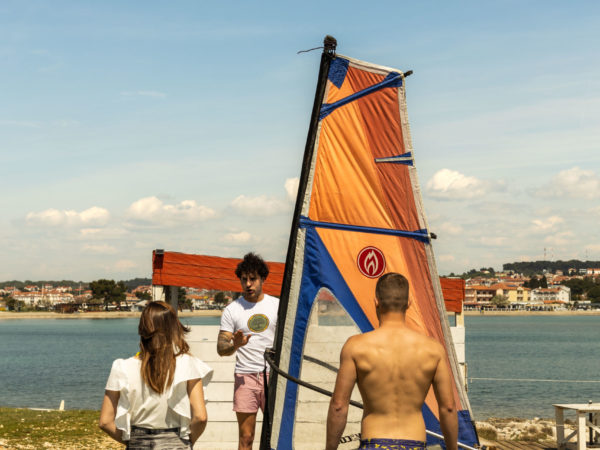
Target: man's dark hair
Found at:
x=252, y=263
x=392, y=292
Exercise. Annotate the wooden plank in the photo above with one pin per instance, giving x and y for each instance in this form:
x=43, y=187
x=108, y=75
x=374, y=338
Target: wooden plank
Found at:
x=520, y=445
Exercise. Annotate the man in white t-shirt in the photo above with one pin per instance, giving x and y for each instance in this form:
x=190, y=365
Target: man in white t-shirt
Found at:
x=247, y=329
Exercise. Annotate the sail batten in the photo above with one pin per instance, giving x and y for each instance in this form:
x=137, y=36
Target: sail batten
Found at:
x=359, y=214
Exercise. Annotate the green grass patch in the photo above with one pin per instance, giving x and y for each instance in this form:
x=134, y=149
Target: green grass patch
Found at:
x=25, y=428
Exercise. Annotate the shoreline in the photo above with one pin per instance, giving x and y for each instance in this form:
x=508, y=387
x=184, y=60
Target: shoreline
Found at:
x=46, y=428
x=5, y=315
x=533, y=313
x=97, y=315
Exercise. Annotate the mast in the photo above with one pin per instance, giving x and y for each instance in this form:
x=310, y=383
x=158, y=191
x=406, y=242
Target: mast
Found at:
x=329, y=47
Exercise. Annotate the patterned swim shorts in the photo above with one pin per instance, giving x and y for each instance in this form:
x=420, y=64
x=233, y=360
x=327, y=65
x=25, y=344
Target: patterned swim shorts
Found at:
x=391, y=444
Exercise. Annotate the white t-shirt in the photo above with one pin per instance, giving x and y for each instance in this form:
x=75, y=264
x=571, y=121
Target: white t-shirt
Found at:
x=256, y=319
x=140, y=406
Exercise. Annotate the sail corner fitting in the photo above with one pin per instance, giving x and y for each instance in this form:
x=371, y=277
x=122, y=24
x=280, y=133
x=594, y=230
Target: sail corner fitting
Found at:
x=330, y=44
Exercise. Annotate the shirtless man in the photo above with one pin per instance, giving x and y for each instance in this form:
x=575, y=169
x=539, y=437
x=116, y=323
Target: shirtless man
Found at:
x=394, y=368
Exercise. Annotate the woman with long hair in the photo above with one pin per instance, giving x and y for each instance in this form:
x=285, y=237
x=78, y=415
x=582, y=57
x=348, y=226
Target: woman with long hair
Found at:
x=155, y=399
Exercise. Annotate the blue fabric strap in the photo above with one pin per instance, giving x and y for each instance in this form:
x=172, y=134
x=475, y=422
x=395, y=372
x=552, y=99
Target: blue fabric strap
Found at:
x=404, y=158
x=419, y=235
x=392, y=80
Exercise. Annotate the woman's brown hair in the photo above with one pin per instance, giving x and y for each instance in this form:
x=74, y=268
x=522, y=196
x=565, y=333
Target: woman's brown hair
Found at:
x=162, y=339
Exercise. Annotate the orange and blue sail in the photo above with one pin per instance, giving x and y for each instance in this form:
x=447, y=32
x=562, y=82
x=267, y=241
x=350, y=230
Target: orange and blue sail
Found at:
x=359, y=214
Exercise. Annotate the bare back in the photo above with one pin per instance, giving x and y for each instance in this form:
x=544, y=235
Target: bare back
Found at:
x=395, y=367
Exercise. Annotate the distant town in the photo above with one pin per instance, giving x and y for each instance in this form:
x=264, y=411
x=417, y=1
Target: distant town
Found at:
x=100, y=295
x=577, y=289
x=539, y=285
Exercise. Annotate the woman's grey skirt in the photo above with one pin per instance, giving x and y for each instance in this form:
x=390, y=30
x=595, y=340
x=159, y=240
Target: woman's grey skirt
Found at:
x=155, y=439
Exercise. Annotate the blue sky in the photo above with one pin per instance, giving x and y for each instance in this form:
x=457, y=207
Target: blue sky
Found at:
x=129, y=126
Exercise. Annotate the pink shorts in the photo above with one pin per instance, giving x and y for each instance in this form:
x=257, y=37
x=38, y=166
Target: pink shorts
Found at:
x=249, y=392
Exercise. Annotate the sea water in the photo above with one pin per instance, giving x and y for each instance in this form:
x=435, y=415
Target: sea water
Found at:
x=45, y=361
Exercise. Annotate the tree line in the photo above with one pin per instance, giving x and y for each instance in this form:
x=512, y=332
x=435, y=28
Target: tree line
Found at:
x=529, y=268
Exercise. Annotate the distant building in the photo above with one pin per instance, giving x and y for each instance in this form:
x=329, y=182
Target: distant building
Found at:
x=592, y=272
x=477, y=294
x=555, y=294
x=147, y=289
x=513, y=292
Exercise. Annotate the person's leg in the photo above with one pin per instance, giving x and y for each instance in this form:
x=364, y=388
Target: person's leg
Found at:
x=245, y=405
x=246, y=426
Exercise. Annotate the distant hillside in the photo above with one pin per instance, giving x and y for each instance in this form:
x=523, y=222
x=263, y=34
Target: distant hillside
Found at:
x=537, y=267
x=130, y=284
x=21, y=284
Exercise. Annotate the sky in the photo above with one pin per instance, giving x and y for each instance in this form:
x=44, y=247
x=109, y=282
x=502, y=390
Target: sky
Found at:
x=131, y=126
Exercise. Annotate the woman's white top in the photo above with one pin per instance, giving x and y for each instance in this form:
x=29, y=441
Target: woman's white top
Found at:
x=140, y=406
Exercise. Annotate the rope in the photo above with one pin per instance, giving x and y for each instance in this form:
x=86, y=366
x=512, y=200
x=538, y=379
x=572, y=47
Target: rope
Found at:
x=268, y=358
x=534, y=379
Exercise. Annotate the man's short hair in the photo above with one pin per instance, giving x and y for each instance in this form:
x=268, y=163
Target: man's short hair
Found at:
x=392, y=292
x=252, y=263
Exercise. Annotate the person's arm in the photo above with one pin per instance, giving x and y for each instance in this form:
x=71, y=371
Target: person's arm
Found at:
x=228, y=343
x=108, y=414
x=444, y=394
x=338, y=406
x=198, y=409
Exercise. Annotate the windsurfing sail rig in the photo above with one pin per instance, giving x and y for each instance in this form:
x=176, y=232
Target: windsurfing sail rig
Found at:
x=358, y=215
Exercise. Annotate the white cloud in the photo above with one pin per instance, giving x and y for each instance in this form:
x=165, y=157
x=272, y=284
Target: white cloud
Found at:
x=237, y=238
x=573, y=183
x=291, y=187
x=152, y=209
x=124, y=265
x=446, y=258
x=452, y=185
x=102, y=249
x=546, y=224
x=259, y=206
x=498, y=241
x=20, y=123
x=94, y=216
x=560, y=239
x=593, y=248
x=154, y=94
x=103, y=233
x=448, y=228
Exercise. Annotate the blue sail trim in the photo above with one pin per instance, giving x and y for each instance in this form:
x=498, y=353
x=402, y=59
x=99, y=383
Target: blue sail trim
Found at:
x=420, y=235
x=319, y=271
x=404, y=158
x=337, y=71
x=466, y=429
x=393, y=79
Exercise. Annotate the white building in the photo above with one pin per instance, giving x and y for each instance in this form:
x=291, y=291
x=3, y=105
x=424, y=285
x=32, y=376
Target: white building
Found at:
x=554, y=294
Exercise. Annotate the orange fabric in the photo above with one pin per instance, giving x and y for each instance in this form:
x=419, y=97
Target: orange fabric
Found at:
x=349, y=187
x=207, y=272
x=454, y=293
x=214, y=272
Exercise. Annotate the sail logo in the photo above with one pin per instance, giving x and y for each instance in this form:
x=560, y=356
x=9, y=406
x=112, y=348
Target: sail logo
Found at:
x=370, y=262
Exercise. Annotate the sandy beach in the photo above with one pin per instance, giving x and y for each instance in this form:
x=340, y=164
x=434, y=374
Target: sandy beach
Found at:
x=97, y=315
